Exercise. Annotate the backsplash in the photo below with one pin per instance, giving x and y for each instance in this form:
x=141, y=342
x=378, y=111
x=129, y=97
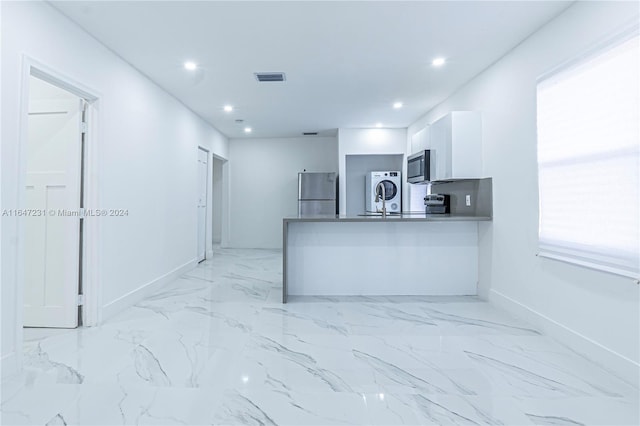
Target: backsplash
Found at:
x=480, y=190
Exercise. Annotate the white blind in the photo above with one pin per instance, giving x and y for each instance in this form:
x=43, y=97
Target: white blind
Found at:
x=589, y=161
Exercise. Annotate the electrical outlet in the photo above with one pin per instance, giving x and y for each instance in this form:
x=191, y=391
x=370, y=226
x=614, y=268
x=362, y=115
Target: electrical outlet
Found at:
x=468, y=200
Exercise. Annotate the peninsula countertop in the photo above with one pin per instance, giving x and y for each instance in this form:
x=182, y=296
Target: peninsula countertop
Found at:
x=402, y=254
x=393, y=217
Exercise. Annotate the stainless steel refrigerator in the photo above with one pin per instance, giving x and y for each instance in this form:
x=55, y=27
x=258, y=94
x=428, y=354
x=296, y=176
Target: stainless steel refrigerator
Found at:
x=317, y=194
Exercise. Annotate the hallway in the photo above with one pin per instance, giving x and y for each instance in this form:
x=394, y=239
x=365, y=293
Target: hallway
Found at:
x=217, y=347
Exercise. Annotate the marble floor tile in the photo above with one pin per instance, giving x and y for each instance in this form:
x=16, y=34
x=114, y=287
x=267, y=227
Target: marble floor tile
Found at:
x=580, y=411
x=117, y=404
x=217, y=347
x=385, y=408
x=469, y=410
x=289, y=408
x=37, y=404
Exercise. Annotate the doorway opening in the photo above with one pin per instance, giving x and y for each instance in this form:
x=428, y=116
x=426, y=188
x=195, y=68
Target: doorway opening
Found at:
x=216, y=201
x=203, y=189
x=54, y=199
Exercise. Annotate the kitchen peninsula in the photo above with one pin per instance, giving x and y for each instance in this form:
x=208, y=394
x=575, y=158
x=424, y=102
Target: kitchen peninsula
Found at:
x=406, y=254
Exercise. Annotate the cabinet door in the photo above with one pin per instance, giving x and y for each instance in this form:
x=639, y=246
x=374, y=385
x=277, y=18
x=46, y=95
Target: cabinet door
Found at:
x=456, y=139
x=420, y=141
x=441, y=145
x=466, y=144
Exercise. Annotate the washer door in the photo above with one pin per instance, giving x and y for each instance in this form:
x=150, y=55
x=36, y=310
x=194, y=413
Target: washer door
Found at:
x=390, y=189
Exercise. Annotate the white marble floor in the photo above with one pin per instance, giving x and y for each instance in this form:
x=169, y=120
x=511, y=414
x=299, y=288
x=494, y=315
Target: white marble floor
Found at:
x=217, y=347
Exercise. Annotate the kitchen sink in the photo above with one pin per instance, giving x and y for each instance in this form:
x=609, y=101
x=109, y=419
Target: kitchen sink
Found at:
x=378, y=214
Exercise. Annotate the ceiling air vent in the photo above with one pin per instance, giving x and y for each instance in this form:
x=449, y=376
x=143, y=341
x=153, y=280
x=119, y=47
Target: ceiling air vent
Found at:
x=310, y=133
x=269, y=76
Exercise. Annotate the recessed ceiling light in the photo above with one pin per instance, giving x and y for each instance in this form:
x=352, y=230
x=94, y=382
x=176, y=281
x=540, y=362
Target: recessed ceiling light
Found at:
x=228, y=108
x=247, y=129
x=190, y=65
x=397, y=105
x=438, y=62
x=378, y=125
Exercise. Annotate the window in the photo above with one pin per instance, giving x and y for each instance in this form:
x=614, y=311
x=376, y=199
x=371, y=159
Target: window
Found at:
x=589, y=160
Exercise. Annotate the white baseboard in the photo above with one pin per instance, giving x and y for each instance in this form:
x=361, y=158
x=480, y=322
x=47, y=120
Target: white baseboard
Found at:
x=623, y=367
x=144, y=291
x=9, y=365
x=209, y=254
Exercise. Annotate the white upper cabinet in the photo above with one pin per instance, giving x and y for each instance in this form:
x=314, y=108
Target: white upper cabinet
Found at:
x=420, y=140
x=456, y=139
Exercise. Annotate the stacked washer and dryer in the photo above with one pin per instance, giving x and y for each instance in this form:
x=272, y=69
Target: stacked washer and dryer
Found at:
x=392, y=182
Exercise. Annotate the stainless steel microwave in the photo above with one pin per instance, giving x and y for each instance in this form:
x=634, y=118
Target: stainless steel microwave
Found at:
x=421, y=167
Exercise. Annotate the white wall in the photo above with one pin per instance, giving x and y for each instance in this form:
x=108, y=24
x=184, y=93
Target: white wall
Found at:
x=146, y=162
x=264, y=184
x=596, y=313
x=369, y=142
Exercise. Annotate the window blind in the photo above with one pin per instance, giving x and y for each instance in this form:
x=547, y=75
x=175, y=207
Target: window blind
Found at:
x=588, y=121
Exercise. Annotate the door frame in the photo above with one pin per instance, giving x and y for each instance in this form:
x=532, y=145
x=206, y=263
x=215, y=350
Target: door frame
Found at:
x=207, y=210
x=217, y=193
x=91, y=312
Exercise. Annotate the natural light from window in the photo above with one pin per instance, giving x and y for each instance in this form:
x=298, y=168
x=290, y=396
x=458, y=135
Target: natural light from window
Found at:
x=588, y=160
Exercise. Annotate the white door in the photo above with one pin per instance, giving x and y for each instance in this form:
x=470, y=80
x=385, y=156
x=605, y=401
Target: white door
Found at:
x=52, y=245
x=203, y=167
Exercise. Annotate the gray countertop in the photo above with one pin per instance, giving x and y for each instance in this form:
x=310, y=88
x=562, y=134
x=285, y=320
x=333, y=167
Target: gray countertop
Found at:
x=403, y=217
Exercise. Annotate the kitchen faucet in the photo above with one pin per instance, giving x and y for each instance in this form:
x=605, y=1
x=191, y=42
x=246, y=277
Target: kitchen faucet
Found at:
x=384, y=198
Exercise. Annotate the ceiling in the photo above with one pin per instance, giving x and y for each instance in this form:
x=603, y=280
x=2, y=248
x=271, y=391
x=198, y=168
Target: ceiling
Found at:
x=346, y=62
